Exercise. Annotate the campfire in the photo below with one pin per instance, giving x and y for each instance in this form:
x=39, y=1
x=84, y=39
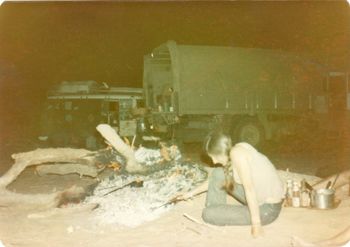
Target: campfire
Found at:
x=143, y=197
x=144, y=184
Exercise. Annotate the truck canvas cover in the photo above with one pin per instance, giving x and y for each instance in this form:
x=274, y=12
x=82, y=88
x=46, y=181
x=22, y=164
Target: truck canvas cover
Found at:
x=220, y=80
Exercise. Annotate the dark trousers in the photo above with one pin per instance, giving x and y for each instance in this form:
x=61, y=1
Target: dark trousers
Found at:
x=218, y=212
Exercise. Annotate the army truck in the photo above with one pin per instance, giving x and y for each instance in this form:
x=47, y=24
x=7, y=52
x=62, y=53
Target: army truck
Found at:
x=74, y=108
x=255, y=94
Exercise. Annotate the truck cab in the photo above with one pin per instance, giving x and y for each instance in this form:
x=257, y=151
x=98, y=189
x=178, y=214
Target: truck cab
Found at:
x=74, y=109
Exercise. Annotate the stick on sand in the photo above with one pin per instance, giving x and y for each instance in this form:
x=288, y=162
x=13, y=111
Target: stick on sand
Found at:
x=198, y=222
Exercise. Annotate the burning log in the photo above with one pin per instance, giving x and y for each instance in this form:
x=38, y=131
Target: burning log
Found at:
x=118, y=144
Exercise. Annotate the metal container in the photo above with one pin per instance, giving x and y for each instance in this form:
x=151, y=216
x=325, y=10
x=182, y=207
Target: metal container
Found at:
x=323, y=198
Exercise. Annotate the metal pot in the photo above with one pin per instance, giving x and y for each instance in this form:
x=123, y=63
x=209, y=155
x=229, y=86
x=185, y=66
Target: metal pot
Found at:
x=323, y=198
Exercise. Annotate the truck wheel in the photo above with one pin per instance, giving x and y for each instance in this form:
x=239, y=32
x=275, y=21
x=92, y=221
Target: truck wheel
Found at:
x=250, y=131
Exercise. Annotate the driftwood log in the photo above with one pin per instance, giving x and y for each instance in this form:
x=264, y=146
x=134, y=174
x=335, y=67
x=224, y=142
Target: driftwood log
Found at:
x=59, y=155
x=111, y=136
x=69, y=168
x=41, y=201
x=40, y=156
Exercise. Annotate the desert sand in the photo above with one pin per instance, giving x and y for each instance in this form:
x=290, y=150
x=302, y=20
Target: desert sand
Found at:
x=171, y=229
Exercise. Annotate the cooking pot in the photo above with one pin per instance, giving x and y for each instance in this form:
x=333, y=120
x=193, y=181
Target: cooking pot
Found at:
x=323, y=198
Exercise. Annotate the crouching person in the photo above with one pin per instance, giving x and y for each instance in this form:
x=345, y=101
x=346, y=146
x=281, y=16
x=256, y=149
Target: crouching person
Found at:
x=249, y=177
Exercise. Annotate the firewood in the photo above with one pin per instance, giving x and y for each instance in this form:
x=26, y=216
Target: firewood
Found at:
x=41, y=156
x=41, y=201
x=69, y=168
x=198, y=222
x=164, y=152
x=117, y=143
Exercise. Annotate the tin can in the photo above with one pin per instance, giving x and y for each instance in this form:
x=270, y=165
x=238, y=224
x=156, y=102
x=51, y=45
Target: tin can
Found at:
x=323, y=198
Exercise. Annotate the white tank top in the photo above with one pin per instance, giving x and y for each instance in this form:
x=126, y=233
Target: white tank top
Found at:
x=268, y=186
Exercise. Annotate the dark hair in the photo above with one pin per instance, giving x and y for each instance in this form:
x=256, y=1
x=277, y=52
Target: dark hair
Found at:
x=219, y=143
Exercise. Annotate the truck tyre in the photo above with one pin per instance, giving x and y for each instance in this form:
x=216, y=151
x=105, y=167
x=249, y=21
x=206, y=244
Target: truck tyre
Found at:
x=250, y=131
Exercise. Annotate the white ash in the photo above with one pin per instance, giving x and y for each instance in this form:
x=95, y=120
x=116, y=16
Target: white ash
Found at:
x=149, y=157
x=132, y=206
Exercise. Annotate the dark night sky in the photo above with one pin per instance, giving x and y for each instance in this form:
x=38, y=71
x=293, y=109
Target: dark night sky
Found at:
x=45, y=43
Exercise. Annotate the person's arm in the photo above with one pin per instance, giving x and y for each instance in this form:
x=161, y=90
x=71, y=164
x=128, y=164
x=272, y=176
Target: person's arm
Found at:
x=239, y=157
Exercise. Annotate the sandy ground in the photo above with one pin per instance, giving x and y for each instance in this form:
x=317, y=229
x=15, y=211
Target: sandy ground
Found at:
x=172, y=229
